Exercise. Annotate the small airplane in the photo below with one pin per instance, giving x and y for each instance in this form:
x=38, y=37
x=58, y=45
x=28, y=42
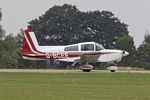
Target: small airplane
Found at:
x=82, y=53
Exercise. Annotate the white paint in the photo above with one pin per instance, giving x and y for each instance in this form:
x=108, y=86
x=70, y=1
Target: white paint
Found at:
x=114, y=55
x=107, y=55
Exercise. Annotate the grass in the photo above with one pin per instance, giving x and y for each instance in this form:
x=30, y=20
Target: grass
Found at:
x=74, y=86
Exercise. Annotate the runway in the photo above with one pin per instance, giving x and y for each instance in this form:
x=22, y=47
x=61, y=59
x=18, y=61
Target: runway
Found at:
x=69, y=71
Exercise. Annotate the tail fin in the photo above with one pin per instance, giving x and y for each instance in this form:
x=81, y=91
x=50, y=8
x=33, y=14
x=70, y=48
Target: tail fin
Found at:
x=30, y=44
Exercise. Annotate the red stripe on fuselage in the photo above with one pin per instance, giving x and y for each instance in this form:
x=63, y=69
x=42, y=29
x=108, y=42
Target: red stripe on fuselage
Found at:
x=60, y=55
x=70, y=55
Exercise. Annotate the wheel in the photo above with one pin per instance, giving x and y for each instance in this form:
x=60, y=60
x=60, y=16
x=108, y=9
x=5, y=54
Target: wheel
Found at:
x=112, y=70
x=86, y=70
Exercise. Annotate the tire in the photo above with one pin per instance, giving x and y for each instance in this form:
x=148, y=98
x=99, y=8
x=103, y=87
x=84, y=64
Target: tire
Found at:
x=86, y=70
x=112, y=70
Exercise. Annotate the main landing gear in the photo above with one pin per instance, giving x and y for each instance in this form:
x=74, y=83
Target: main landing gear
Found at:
x=86, y=68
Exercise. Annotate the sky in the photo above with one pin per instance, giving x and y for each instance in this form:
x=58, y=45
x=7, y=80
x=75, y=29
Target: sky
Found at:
x=135, y=13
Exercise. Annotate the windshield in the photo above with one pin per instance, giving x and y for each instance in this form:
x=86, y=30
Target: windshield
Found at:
x=99, y=47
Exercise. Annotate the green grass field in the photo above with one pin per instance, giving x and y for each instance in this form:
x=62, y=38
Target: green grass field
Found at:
x=74, y=86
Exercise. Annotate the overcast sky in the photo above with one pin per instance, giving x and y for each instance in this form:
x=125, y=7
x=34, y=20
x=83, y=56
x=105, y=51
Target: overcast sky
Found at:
x=135, y=13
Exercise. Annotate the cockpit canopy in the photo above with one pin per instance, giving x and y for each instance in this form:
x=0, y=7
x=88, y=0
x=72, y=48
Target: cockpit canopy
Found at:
x=86, y=46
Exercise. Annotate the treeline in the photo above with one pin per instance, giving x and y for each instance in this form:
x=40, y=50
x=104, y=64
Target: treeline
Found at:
x=68, y=25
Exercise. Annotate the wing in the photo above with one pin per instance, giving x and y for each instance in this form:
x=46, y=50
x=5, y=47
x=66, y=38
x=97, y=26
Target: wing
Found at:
x=90, y=57
x=83, y=57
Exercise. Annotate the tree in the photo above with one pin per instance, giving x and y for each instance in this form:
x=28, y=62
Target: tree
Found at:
x=126, y=43
x=143, y=53
x=8, y=50
x=67, y=25
x=9, y=57
x=19, y=39
x=147, y=38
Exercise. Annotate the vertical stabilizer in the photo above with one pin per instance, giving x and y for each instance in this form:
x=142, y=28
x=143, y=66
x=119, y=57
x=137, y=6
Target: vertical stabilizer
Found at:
x=30, y=44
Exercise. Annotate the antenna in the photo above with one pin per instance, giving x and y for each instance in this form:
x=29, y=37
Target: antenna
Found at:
x=55, y=41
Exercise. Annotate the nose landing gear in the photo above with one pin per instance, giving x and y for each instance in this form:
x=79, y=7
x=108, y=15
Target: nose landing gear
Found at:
x=112, y=68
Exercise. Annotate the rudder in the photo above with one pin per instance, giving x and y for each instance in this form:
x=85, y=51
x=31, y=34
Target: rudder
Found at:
x=30, y=44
